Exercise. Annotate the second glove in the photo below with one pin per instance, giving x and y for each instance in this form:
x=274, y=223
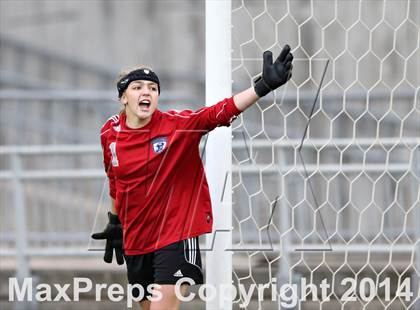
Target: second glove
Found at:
x=114, y=239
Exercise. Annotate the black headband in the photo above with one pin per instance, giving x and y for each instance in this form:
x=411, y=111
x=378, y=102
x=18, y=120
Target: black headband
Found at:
x=138, y=74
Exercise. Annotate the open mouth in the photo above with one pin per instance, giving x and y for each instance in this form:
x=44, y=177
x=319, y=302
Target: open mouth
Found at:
x=145, y=103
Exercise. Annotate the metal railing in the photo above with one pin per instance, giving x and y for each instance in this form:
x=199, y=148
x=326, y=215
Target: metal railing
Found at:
x=17, y=176
x=33, y=239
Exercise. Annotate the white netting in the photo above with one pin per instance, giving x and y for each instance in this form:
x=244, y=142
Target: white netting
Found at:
x=357, y=209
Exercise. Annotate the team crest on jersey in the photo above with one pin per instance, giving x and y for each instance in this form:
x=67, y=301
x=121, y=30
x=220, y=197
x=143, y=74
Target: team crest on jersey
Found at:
x=159, y=144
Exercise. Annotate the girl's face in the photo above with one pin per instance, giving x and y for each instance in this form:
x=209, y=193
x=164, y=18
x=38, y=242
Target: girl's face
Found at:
x=140, y=99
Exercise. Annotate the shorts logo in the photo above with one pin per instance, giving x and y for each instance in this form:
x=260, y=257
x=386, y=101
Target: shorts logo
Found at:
x=159, y=144
x=178, y=274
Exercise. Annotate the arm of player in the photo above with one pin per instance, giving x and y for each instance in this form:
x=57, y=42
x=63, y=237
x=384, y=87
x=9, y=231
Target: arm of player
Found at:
x=113, y=210
x=245, y=99
x=112, y=234
x=108, y=166
x=273, y=76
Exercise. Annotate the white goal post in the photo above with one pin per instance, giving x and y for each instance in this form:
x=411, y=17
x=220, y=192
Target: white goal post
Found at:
x=346, y=205
x=218, y=152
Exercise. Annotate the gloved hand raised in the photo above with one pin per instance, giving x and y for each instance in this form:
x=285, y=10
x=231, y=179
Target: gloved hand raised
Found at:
x=274, y=74
x=114, y=239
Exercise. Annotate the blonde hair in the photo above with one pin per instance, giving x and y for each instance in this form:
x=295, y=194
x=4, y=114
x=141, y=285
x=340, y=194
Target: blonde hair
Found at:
x=123, y=73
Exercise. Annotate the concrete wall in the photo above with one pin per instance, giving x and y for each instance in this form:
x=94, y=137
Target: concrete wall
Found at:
x=167, y=35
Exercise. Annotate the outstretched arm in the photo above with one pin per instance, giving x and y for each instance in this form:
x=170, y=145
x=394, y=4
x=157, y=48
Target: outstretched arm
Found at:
x=273, y=76
x=245, y=99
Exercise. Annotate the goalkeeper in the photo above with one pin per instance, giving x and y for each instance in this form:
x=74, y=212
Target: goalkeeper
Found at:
x=160, y=196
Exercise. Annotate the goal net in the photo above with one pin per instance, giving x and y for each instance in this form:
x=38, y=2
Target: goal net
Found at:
x=341, y=206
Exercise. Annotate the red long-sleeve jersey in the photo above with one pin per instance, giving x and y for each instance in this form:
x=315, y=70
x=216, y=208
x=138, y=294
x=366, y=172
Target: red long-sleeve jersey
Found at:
x=156, y=175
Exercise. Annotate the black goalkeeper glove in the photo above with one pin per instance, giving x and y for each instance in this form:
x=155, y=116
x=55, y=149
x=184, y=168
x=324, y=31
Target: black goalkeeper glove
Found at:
x=274, y=74
x=114, y=239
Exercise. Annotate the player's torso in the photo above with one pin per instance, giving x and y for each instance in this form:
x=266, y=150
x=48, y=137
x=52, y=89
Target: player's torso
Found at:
x=138, y=153
x=153, y=152
x=161, y=191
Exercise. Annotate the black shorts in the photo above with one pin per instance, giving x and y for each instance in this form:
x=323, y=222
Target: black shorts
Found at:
x=166, y=265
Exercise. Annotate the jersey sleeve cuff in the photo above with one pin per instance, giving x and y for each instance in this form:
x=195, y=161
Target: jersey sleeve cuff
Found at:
x=112, y=191
x=233, y=110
